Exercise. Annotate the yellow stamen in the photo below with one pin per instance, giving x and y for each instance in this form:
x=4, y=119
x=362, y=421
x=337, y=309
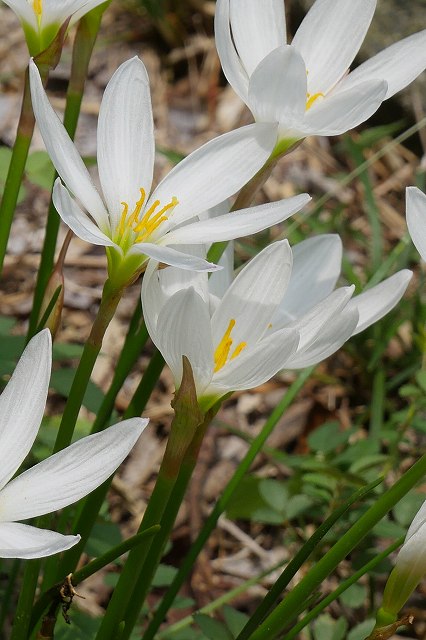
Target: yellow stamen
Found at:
x=223, y=349
x=150, y=228
x=138, y=208
x=238, y=350
x=310, y=99
x=122, y=225
x=150, y=220
x=38, y=7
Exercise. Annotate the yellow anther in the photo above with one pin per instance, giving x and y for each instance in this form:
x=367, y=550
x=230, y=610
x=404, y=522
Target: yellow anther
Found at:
x=223, y=349
x=149, y=222
x=122, y=225
x=310, y=99
x=138, y=208
x=238, y=350
x=150, y=228
x=38, y=7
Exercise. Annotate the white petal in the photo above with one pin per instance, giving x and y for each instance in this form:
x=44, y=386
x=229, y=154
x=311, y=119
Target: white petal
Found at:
x=216, y=170
x=278, y=87
x=258, y=364
x=376, y=302
x=257, y=29
x=126, y=138
x=24, y=11
x=76, y=219
x=232, y=68
x=344, y=110
x=86, y=7
x=329, y=39
x=254, y=295
x=220, y=281
x=328, y=341
x=416, y=218
x=418, y=521
x=239, y=224
x=316, y=268
x=184, y=329
x=399, y=65
x=63, y=153
x=311, y=324
x=60, y=10
x=152, y=298
x=170, y=256
x=22, y=404
x=25, y=542
x=70, y=474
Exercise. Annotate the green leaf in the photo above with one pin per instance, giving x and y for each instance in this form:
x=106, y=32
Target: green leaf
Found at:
x=212, y=628
x=274, y=493
x=104, y=536
x=164, y=575
x=235, y=620
x=40, y=170
x=61, y=381
x=405, y=510
x=327, y=437
x=361, y=631
x=297, y=505
x=326, y=628
x=355, y=596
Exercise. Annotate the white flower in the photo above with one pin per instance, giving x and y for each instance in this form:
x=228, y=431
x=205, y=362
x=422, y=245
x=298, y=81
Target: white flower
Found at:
x=416, y=218
x=281, y=311
x=305, y=86
x=42, y=19
x=59, y=480
x=131, y=224
x=410, y=566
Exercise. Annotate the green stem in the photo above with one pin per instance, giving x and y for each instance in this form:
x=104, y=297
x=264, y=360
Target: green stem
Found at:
x=88, y=570
x=84, y=42
x=21, y=620
x=17, y=166
x=136, y=338
x=284, y=612
x=145, y=386
x=219, y=602
x=186, y=420
x=108, y=305
x=255, y=447
x=88, y=512
x=341, y=589
x=11, y=583
x=303, y=554
x=150, y=566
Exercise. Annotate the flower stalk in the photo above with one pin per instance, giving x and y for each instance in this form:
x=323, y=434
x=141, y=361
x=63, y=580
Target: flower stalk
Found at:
x=187, y=421
x=45, y=61
x=109, y=302
x=84, y=42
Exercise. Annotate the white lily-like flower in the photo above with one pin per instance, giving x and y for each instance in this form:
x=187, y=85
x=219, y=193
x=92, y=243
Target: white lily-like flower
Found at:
x=410, y=568
x=305, y=87
x=281, y=311
x=131, y=224
x=57, y=481
x=42, y=19
x=416, y=218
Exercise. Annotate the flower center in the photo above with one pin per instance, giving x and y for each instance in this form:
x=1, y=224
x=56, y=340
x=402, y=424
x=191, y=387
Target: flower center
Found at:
x=223, y=349
x=311, y=99
x=38, y=7
x=150, y=221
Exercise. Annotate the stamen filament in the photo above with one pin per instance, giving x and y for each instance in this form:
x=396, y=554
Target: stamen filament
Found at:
x=223, y=349
x=122, y=225
x=310, y=99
